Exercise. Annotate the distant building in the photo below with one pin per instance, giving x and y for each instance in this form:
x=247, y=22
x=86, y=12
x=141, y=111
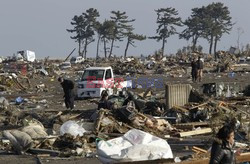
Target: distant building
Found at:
x=26, y=55
x=234, y=50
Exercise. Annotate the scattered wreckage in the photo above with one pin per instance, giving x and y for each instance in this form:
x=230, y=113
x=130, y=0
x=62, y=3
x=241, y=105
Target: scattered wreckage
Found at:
x=180, y=116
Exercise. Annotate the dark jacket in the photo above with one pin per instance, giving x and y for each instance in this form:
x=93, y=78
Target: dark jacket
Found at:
x=222, y=153
x=194, y=65
x=68, y=88
x=199, y=64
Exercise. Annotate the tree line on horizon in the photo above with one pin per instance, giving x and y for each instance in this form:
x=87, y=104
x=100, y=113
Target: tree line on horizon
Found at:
x=209, y=22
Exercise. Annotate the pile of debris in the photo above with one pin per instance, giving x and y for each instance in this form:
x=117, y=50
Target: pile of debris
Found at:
x=128, y=67
x=64, y=135
x=32, y=123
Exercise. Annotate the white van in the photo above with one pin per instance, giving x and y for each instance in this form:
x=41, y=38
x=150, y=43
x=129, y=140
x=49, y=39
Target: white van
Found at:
x=75, y=60
x=26, y=55
x=95, y=80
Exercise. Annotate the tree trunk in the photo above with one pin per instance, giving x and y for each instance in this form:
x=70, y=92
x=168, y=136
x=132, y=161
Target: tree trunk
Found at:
x=163, y=47
x=85, y=48
x=111, y=47
x=194, y=43
x=105, y=48
x=215, y=46
x=97, y=47
x=83, y=51
x=211, y=44
x=79, y=48
x=126, y=49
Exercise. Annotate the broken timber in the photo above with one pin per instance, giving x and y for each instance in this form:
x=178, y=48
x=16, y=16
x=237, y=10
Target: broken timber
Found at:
x=181, y=109
x=199, y=150
x=197, y=106
x=195, y=132
x=191, y=125
x=99, y=120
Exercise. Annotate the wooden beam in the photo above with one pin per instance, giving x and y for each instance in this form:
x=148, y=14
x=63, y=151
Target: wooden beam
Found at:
x=99, y=120
x=197, y=106
x=181, y=109
x=224, y=108
x=243, y=157
x=195, y=132
x=199, y=149
x=190, y=125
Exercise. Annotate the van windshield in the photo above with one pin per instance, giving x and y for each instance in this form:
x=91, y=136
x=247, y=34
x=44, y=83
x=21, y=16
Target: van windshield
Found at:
x=92, y=75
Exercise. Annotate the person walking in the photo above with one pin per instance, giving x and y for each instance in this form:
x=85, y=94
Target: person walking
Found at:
x=194, y=70
x=68, y=88
x=200, y=68
x=222, y=148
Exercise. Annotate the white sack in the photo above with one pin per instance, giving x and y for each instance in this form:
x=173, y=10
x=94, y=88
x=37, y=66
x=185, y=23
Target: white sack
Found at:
x=135, y=145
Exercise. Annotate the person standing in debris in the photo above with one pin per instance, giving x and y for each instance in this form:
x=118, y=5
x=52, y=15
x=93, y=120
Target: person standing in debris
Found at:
x=104, y=102
x=200, y=68
x=68, y=88
x=194, y=71
x=222, y=147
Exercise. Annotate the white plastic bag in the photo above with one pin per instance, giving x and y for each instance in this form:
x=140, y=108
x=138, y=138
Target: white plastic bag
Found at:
x=135, y=145
x=72, y=128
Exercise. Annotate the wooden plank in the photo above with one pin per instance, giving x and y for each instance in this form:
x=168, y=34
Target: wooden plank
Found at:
x=224, y=108
x=99, y=120
x=183, y=127
x=43, y=155
x=243, y=157
x=181, y=109
x=197, y=106
x=199, y=149
x=190, y=125
x=196, y=151
x=195, y=132
x=147, y=93
x=75, y=116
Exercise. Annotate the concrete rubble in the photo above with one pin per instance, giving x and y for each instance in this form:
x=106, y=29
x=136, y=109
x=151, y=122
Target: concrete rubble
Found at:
x=185, y=114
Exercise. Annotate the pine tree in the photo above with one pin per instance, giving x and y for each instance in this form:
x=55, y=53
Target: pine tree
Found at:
x=167, y=20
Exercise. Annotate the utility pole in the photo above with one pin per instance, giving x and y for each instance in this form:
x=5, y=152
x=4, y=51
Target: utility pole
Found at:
x=240, y=32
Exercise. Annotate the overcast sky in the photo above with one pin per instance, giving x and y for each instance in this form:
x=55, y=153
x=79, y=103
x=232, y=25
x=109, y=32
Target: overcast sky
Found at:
x=40, y=25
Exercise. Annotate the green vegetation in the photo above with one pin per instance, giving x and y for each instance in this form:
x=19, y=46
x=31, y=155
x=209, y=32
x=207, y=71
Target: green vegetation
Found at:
x=209, y=22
